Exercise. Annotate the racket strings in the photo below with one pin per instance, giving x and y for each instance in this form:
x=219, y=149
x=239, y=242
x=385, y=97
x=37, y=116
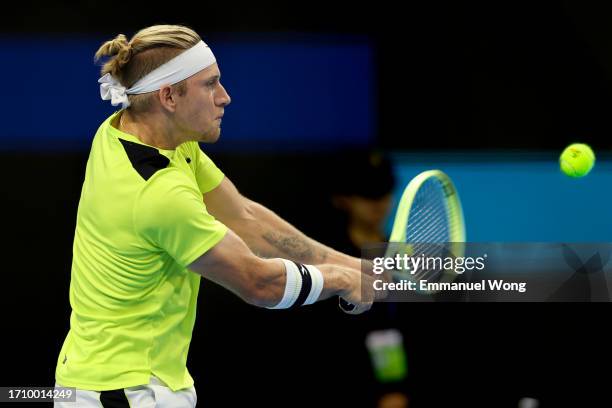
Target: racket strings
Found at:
x=429, y=226
x=428, y=220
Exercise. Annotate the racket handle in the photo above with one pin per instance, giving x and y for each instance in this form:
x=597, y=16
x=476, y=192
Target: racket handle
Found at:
x=345, y=306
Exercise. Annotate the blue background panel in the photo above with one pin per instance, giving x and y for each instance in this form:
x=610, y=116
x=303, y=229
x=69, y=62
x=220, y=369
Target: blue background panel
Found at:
x=507, y=198
x=310, y=92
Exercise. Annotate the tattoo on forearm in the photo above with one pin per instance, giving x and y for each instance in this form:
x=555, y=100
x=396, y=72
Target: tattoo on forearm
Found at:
x=294, y=247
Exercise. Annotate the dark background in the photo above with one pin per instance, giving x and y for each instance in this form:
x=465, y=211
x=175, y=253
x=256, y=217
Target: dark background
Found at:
x=454, y=75
x=515, y=75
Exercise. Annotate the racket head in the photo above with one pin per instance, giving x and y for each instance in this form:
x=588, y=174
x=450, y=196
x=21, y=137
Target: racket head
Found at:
x=429, y=221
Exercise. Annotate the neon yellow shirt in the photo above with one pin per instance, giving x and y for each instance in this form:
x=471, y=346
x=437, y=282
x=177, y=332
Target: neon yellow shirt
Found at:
x=141, y=221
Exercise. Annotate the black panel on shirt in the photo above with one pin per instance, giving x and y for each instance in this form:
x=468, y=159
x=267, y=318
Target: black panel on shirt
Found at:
x=114, y=399
x=146, y=160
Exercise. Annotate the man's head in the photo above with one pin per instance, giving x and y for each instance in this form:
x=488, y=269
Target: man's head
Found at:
x=363, y=186
x=193, y=107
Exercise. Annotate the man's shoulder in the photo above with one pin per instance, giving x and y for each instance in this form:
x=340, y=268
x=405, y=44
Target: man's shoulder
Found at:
x=168, y=183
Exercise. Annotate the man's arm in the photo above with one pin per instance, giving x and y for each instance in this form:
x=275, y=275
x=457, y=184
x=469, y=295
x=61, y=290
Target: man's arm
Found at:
x=262, y=282
x=266, y=233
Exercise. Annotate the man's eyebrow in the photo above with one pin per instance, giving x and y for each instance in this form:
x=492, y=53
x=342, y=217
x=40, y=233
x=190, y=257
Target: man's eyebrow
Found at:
x=213, y=78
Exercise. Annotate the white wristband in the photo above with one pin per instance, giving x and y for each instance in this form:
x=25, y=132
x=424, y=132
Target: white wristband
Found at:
x=293, y=285
x=303, y=285
x=317, y=284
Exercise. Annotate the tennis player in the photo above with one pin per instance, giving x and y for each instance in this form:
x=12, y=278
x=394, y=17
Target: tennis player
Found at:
x=156, y=214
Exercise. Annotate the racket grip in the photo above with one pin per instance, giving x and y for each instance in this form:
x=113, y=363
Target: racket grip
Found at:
x=345, y=306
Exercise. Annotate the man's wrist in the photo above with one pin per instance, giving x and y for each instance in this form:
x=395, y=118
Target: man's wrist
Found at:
x=337, y=280
x=338, y=258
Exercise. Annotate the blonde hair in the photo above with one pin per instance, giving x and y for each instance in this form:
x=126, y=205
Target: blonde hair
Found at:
x=148, y=49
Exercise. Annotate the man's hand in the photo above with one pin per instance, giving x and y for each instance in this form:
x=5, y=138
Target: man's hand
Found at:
x=360, y=298
x=359, y=293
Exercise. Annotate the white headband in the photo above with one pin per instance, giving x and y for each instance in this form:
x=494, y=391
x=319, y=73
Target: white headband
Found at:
x=180, y=67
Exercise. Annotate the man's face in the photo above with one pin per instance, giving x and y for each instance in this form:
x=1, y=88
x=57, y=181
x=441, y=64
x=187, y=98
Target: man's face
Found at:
x=368, y=212
x=200, y=108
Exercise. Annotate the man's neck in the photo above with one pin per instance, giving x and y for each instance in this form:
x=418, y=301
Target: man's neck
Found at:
x=151, y=131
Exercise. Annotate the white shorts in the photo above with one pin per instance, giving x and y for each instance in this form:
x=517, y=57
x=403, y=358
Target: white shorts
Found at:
x=153, y=395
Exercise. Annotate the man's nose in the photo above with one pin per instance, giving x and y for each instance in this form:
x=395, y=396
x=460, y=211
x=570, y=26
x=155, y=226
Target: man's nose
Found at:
x=225, y=98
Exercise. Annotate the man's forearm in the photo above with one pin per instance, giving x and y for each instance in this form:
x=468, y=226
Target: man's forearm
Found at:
x=270, y=236
x=293, y=244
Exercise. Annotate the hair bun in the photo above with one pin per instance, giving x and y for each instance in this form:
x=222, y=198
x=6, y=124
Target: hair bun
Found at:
x=120, y=49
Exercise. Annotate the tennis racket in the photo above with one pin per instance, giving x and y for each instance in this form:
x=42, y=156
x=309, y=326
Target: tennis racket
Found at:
x=428, y=222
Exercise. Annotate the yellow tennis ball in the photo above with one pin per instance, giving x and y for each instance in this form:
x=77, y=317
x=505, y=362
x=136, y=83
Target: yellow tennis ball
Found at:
x=577, y=160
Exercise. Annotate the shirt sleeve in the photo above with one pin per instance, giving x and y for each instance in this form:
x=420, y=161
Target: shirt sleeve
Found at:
x=208, y=175
x=170, y=214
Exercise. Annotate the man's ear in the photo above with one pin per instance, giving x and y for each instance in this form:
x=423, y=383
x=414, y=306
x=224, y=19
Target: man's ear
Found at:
x=167, y=97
